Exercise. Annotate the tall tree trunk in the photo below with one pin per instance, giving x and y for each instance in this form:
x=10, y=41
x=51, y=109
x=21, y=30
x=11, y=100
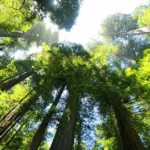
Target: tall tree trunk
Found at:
x=14, y=107
x=13, y=76
x=12, y=34
x=129, y=136
x=143, y=30
x=6, y=145
x=79, y=140
x=15, y=115
x=118, y=137
x=6, y=86
x=37, y=139
x=9, y=127
x=64, y=137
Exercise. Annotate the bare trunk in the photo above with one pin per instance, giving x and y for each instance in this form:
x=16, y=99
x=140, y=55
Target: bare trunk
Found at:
x=129, y=136
x=15, y=115
x=16, y=75
x=6, y=145
x=12, y=34
x=9, y=127
x=6, y=86
x=37, y=139
x=79, y=136
x=64, y=137
x=14, y=107
x=118, y=138
x=144, y=30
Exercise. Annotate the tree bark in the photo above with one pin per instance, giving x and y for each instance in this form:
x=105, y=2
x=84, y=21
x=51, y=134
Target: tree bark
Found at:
x=13, y=76
x=37, y=139
x=6, y=86
x=12, y=34
x=14, y=107
x=79, y=140
x=129, y=136
x=144, y=30
x=64, y=137
x=15, y=115
x=6, y=145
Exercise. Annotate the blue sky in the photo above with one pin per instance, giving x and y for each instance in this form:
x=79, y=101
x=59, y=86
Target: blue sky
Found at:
x=91, y=15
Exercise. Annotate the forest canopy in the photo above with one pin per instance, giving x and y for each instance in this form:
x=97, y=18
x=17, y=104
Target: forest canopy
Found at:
x=63, y=96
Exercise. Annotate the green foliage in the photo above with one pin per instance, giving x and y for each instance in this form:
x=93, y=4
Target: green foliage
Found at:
x=15, y=19
x=99, y=76
x=63, y=13
x=143, y=19
x=117, y=25
x=13, y=97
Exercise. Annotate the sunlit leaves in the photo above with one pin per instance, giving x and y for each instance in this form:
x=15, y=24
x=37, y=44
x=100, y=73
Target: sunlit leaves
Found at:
x=12, y=97
x=101, y=53
x=12, y=19
x=144, y=19
x=9, y=71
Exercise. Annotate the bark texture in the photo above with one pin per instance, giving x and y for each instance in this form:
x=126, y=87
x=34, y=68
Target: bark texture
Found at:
x=37, y=139
x=129, y=136
x=7, y=123
x=64, y=137
x=11, y=139
x=6, y=86
x=13, y=34
x=144, y=30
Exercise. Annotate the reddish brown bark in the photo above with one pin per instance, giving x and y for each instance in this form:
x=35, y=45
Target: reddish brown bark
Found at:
x=64, y=137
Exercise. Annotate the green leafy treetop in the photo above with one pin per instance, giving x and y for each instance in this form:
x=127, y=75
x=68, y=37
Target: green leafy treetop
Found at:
x=63, y=12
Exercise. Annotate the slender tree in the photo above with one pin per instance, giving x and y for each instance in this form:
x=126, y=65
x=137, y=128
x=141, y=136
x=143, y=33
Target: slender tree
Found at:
x=37, y=139
x=11, y=139
x=15, y=115
x=9, y=84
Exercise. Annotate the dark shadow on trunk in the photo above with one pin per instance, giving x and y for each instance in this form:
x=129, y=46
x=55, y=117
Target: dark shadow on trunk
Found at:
x=64, y=137
x=11, y=139
x=6, y=86
x=129, y=136
x=14, y=116
x=37, y=139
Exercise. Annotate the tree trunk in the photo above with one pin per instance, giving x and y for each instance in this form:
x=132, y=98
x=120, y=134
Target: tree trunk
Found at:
x=64, y=137
x=37, y=139
x=7, y=144
x=4, y=131
x=79, y=140
x=144, y=30
x=14, y=107
x=12, y=34
x=118, y=137
x=15, y=115
x=6, y=86
x=13, y=76
x=129, y=136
